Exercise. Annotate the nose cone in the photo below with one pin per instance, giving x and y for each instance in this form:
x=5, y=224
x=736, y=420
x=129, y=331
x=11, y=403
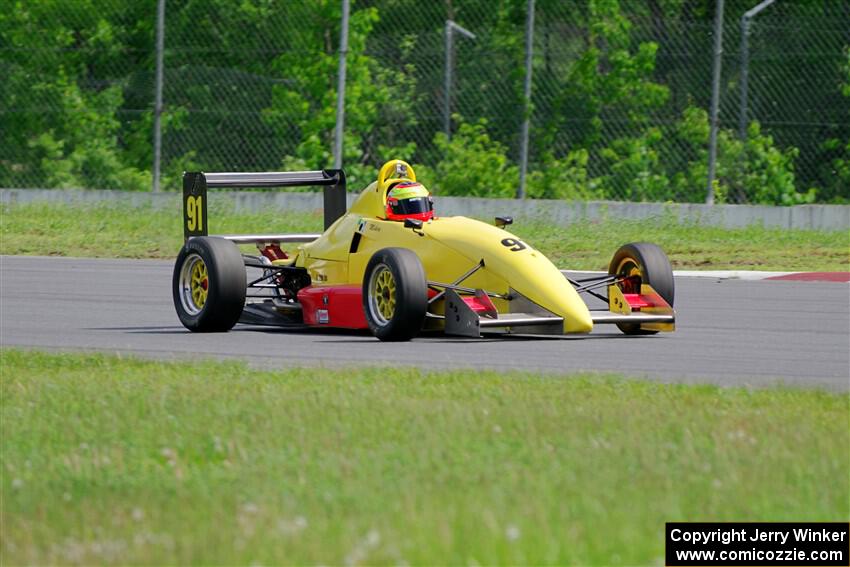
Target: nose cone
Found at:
x=525, y=269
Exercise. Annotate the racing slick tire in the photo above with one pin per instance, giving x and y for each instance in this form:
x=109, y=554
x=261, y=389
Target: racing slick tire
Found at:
x=395, y=294
x=650, y=264
x=208, y=285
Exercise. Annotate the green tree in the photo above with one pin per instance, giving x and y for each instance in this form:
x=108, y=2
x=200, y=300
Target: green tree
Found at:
x=836, y=151
x=65, y=79
x=564, y=178
x=749, y=171
x=474, y=164
x=378, y=101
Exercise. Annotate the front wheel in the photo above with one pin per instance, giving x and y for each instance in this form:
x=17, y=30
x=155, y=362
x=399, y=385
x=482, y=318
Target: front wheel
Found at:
x=642, y=263
x=208, y=284
x=395, y=294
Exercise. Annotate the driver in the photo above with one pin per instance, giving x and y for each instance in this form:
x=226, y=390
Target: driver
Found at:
x=409, y=200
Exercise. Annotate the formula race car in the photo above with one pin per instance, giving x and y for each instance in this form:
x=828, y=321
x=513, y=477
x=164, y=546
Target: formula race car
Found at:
x=390, y=265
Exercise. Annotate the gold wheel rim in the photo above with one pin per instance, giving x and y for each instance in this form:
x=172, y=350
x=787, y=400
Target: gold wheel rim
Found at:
x=628, y=267
x=200, y=284
x=383, y=293
x=194, y=284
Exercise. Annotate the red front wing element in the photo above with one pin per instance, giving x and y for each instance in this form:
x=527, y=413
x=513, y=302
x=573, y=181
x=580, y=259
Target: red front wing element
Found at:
x=637, y=301
x=481, y=304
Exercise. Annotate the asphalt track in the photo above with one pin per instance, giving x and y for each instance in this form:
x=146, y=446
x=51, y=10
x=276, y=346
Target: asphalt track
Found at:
x=729, y=332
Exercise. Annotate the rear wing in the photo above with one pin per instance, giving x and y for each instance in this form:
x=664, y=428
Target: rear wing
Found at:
x=195, y=186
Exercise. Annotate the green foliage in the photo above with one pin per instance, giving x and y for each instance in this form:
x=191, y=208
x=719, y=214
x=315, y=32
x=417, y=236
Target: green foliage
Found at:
x=767, y=175
x=251, y=85
x=63, y=134
x=373, y=95
x=836, y=152
x=749, y=171
x=611, y=80
x=638, y=168
x=610, y=102
x=473, y=165
x=689, y=166
x=838, y=164
x=634, y=164
x=85, y=151
x=564, y=178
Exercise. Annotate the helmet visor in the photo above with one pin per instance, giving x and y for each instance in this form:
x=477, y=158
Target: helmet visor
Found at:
x=412, y=206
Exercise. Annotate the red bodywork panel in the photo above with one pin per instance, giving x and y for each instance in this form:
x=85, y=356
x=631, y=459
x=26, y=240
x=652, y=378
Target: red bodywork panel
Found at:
x=342, y=305
x=480, y=304
x=333, y=306
x=637, y=301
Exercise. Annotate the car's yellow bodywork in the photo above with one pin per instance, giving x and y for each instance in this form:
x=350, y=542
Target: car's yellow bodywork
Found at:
x=448, y=247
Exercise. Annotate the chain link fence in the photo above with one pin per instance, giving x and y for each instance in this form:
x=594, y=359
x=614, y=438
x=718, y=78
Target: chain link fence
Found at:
x=619, y=104
x=799, y=90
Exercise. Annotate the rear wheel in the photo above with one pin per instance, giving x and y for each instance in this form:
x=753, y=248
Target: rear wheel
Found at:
x=642, y=263
x=208, y=284
x=395, y=294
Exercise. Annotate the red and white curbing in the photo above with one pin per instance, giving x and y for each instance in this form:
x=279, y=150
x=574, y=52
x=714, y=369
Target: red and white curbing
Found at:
x=815, y=277
x=757, y=275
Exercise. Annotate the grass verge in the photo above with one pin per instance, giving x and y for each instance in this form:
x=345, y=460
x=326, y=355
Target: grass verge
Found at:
x=110, y=460
x=104, y=230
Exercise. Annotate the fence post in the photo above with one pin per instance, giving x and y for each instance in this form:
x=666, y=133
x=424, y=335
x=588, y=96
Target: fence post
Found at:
x=715, y=100
x=529, y=52
x=745, y=63
x=447, y=87
x=340, y=87
x=157, y=108
x=745, y=68
x=451, y=27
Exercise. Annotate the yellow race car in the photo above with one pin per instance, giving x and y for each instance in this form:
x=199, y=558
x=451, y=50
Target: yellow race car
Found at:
x=388, y=264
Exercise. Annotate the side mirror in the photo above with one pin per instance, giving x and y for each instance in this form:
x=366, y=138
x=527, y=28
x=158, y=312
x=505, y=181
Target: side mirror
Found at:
x=502, y=222
x=415, y=224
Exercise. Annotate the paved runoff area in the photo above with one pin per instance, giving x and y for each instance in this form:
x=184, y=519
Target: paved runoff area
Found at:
x=731, y=330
